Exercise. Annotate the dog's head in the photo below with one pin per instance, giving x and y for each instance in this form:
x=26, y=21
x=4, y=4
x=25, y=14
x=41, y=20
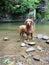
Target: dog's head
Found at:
x=28, y=22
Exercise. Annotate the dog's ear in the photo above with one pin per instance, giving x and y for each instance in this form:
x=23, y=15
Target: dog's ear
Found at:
x=31, y=21
x=25, y=21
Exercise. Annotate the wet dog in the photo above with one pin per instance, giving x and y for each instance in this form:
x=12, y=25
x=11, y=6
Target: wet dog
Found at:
x=27, y=28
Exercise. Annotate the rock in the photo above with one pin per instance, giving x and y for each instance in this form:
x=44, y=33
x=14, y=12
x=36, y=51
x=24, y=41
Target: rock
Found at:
x=37, y=58
x=0, y=64
x=31, y=43
x=46, y=50
x=47, y=41
x=1, y=57
x=19, y=63
x=5, y=39
x=42, y=61
x=25, y=41
x=18, y=40
x=39, y=36
x=30, y=49
x=39, y=48
x=11, y=63
x=47, y=58
x=45, y=37
x=25, y=56
x=23, y=44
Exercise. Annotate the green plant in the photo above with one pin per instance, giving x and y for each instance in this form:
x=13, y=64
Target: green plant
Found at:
x=38, y=15
x=19, y=6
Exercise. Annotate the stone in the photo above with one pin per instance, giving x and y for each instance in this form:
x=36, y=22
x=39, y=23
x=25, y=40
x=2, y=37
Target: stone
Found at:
x=37, y=58
x=0, y=64
x=11, y=63
x=25, y=41
x=45, y=37
x=1, y=57
x=31, y=43
x=25, y=56
x=30, y=49
x=47, y=41
x=46, y=50
x=23, y=44
x=18, y=40
x=19, y=63
x=42, y=61
x=39, y=36
x=6, y=39
x=47, y=58
x=39, y=48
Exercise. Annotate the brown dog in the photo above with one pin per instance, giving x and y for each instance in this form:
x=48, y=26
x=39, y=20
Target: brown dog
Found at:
x=28, y=28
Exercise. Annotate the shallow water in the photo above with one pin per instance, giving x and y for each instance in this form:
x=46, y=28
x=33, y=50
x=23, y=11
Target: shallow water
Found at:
x=12, y=47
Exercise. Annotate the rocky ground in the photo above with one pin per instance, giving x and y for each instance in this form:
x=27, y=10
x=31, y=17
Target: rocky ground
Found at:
x=14, y=51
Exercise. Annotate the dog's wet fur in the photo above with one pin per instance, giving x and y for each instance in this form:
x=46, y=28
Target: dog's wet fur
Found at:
x=27, y=28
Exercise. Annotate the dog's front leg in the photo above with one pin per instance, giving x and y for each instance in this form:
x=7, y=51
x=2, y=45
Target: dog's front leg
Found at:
x=21, y=34
x=31, y=35
x=27, y=36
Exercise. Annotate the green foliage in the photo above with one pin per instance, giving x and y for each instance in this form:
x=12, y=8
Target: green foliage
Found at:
x=38, y=15
x=47, y=9
x=31, y=16
x=19, y=6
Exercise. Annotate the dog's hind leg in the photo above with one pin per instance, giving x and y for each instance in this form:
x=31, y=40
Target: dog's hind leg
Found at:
x=20, y=33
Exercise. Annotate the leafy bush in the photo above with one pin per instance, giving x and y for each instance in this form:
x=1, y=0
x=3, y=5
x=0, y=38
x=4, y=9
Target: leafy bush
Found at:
x=38, y=16
x=19, y=6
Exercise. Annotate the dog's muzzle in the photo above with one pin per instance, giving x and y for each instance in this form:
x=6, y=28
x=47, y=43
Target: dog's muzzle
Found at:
x=28, y=23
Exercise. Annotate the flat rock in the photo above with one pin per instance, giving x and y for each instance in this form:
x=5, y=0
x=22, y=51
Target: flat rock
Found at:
x=47, y=41
x=39, y=36
x=23, y=44
x=6, y=39
x=25, y=41
x=47, y=58
x=37, y=58
x=39, y=48
x=25, y=56
x=31, y=43
x=47, y=50
x=19, y=63
x=18, y=40
x=0, y=64
x=11, y=63
x=30, y=49
x=45, y=37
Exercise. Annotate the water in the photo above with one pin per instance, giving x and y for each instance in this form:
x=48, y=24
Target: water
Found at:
x=9, y=26
x=12, y=47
